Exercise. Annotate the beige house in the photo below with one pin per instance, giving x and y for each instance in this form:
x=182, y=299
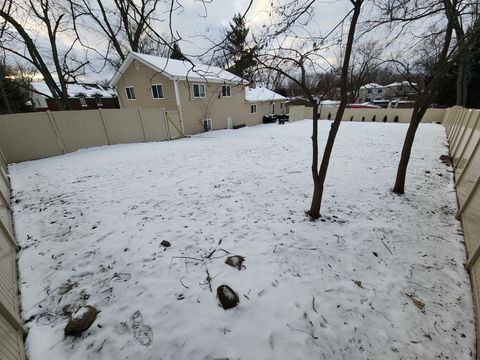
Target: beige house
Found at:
x=205, y=97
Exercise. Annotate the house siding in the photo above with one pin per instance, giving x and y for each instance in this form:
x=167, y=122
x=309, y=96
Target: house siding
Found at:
x=194, y=110
x=142, y=80
x=214, y=106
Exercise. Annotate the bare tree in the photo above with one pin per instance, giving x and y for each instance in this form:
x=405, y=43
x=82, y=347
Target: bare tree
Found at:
x=364, y=66
x=298, y=64
x=126, y=25
x=449, y=53
x=57, y=63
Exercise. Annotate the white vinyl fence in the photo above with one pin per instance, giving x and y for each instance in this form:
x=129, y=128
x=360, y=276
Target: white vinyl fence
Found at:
x=31, y=136
x=12, y=329
x=301, y=112
x=463, y=130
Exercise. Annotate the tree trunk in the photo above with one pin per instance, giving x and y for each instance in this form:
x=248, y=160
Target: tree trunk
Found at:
x=319, y=179
x=399, y=187
x=421, y=105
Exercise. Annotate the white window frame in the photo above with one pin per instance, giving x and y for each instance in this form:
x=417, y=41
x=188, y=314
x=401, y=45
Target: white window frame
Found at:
x=253, y=107
x=133, y=93
x=226, y=86
x=204, y=91
x=153, y=95
x=98, y=100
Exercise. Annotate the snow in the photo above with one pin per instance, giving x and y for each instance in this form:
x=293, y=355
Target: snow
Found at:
x=349, y=286
x=403, y=83
x=371, y=86
x=74, y=90
x=259, y=94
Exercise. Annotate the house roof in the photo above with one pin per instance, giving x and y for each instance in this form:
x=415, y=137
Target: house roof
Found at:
x=74, y=90
x=178, y=69
x=372, y=86
x=259, y=94
x=403, y=83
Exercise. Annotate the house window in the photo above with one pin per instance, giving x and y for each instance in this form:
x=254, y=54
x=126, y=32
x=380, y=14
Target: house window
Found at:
x=157, y=91
x=98, y=99
x=130, y=93
x=198, y=90
x=83, y=102
x=137, y=65
x=281, y=105
x=253, y=108
x=226, y=90
x=379, y=91
x=369, y=91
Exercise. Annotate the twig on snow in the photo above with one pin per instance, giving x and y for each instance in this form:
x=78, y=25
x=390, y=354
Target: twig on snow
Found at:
x=313, y=305
x=185, y=286
x=303, y=331
x=390, y=251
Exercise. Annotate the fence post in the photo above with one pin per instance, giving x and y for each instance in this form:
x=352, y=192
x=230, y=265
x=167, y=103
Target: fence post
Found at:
x=9, y=236
x=461, y=131
x=469, y=199
x=56, y=131
x=458, y=129
x=467, y=165
x=105, y=126
x=165, y=121
x=469, y=137
x=141, y=123
x=13, y=319
x=455, y=122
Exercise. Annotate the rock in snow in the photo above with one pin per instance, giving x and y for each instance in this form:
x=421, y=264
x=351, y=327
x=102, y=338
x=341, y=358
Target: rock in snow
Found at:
x=81, y=320
x=228, y=298
x=165, y=243
x=235, y=261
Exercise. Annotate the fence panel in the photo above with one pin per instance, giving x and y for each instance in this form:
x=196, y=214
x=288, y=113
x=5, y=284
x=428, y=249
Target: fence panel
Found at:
x=154, y=125
x=174, y=124
x=124, y=125
x=27, y=137
x=463, y=131
x=12, y=329
x=79, y=129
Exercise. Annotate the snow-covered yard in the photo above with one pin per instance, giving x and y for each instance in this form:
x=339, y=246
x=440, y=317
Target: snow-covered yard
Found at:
x=379, y=277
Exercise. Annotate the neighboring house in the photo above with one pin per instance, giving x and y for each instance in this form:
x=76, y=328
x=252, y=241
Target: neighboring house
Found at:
x=266, y=101
x=371, y=92
x=81, y=97
x=404, y=91
x=396, y=92
x=206, y=97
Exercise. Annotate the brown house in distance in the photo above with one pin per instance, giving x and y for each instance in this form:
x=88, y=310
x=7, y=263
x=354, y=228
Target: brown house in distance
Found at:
x=206, y=97
x=81, y=97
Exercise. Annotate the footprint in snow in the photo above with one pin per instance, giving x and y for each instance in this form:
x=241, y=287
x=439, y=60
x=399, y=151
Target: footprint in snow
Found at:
x=142, y=334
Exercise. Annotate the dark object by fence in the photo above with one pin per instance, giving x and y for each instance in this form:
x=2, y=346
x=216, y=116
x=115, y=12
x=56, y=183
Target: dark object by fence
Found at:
x=238, y=126
x=385, y=118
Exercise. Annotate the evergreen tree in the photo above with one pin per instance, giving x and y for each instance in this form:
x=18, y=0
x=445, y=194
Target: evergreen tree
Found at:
x=176, y=52
x=240, y=57
x=13, y=95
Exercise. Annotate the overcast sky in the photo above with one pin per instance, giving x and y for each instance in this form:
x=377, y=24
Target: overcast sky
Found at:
x=200, y=26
